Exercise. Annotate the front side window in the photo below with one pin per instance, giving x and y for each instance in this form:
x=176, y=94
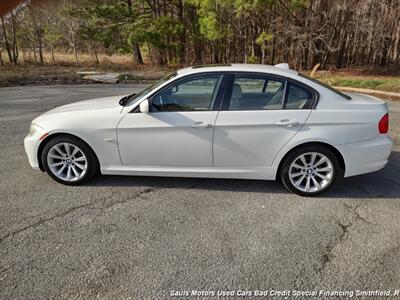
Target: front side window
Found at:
x=196, y=94
x=298, y=97
x=255, y=93
x=135, y=97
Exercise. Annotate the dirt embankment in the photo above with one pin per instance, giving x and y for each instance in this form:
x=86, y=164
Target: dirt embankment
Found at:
x=46, y=75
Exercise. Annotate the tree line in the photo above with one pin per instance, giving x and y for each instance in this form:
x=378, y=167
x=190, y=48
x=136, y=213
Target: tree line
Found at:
x=338, y=33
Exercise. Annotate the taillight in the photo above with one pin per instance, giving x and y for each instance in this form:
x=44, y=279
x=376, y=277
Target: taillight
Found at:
x=383, y=124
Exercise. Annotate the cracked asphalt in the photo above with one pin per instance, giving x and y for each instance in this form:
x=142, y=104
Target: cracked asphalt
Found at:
x=141, y=237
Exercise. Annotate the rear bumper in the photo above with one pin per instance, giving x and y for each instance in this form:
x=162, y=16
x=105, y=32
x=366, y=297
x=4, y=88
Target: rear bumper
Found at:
x=367, y=156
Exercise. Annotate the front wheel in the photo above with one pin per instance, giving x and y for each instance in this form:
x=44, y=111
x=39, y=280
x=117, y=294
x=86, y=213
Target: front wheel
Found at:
x=310, y=170
x=69, y=160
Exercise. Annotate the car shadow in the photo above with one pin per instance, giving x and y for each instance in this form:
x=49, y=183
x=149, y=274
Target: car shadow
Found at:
x=382, y=184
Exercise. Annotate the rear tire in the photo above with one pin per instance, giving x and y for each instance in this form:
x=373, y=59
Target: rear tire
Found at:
x=69, y=160
x=310, y=170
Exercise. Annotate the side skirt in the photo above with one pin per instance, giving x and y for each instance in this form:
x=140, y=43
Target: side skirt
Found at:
x=265, y=173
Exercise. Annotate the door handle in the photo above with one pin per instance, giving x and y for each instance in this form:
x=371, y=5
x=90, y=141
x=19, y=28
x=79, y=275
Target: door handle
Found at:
x=201, y=125
x=287, y=122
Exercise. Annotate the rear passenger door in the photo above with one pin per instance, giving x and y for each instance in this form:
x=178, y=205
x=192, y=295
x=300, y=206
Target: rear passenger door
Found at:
x=259, y=114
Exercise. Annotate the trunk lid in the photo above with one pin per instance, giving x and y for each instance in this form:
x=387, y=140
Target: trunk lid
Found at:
x=366, y=101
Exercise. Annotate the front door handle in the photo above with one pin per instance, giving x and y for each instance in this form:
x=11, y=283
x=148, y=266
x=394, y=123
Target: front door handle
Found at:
x=201, y=125
x=287, y=122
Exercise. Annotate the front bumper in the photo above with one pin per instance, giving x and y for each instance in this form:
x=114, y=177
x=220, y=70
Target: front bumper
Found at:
x=31, y=144
x=367, y=156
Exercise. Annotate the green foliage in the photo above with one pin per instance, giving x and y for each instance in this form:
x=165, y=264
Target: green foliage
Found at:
x=253, y=59
x=360, y=83
x=120, y=25
x=210, y=27
x=212, y=31
x=52, y=34
x=26, y=34
x=105, y=24
x=298, y=4
x=263, y=38
x=246, y=6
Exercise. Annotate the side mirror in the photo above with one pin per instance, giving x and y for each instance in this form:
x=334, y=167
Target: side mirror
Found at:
x=144, y=106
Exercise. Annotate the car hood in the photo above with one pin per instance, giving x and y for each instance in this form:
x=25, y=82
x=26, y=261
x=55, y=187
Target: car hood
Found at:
x=92, y=104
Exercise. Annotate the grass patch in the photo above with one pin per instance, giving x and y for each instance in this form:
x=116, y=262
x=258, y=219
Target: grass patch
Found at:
x=381, y=83
x=360, y=83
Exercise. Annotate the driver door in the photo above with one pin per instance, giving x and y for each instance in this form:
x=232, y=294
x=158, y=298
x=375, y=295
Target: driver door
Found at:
x=178, y=130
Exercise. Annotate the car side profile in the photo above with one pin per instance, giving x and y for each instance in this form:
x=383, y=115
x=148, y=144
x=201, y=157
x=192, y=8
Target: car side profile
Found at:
x=223, y=121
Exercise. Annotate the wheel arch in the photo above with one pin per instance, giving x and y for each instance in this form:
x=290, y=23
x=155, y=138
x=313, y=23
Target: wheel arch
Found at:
x=54, y=135
x=335, y=151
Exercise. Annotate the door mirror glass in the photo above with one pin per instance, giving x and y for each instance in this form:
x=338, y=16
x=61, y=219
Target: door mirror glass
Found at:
x=144, y=106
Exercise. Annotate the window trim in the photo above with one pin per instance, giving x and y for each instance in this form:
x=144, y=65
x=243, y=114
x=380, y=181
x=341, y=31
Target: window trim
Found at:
x=221, y=102
x=268, y=76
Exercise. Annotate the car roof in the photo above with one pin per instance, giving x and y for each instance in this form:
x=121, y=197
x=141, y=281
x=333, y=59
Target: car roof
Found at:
x=280, y=69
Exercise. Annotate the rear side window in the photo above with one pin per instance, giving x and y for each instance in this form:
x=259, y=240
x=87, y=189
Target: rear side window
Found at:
x=298, y=97
x=250, y=85
x=255, y=93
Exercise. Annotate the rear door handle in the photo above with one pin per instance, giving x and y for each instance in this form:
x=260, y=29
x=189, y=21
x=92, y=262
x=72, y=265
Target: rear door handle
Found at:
x=287, y=122
x=201, y=125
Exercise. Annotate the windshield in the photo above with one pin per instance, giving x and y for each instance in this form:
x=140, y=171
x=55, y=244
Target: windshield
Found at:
x=133, y=98
x=326, y=86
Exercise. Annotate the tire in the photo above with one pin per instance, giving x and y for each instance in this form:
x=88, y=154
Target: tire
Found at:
x=77, y=160
x=310, y=170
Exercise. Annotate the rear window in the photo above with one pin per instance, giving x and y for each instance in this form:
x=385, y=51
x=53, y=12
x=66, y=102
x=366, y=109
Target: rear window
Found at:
x=298, y=98
x=326, y=86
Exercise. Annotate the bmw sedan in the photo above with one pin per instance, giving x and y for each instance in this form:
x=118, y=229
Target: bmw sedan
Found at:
x=223, y=121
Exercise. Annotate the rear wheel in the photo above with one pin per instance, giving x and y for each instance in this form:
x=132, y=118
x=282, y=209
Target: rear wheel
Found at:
x=68, y=160
x=310, y=170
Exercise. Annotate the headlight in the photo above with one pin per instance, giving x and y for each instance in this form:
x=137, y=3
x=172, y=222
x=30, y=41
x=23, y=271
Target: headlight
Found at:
x=32, y=130
x=38, y=132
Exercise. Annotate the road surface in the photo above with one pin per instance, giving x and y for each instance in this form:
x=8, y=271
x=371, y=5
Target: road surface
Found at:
x=144, y=237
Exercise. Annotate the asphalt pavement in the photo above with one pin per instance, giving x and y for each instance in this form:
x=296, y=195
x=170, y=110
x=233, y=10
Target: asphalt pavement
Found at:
x=147, y=237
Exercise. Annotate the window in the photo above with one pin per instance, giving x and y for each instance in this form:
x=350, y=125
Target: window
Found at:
x=134, y=97
x=256, y=93
x=196, y=94
x=250, y=85
x=298, y=97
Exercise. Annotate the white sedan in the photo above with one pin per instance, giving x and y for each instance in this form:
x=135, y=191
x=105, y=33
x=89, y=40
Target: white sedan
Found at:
x=223, y=121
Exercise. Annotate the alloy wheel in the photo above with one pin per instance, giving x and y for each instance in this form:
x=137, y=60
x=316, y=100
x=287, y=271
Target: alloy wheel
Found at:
x=67, y=162
x=311, y=172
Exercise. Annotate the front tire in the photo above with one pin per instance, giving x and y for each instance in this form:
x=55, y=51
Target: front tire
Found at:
x=310, y=170
x=69, y=160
